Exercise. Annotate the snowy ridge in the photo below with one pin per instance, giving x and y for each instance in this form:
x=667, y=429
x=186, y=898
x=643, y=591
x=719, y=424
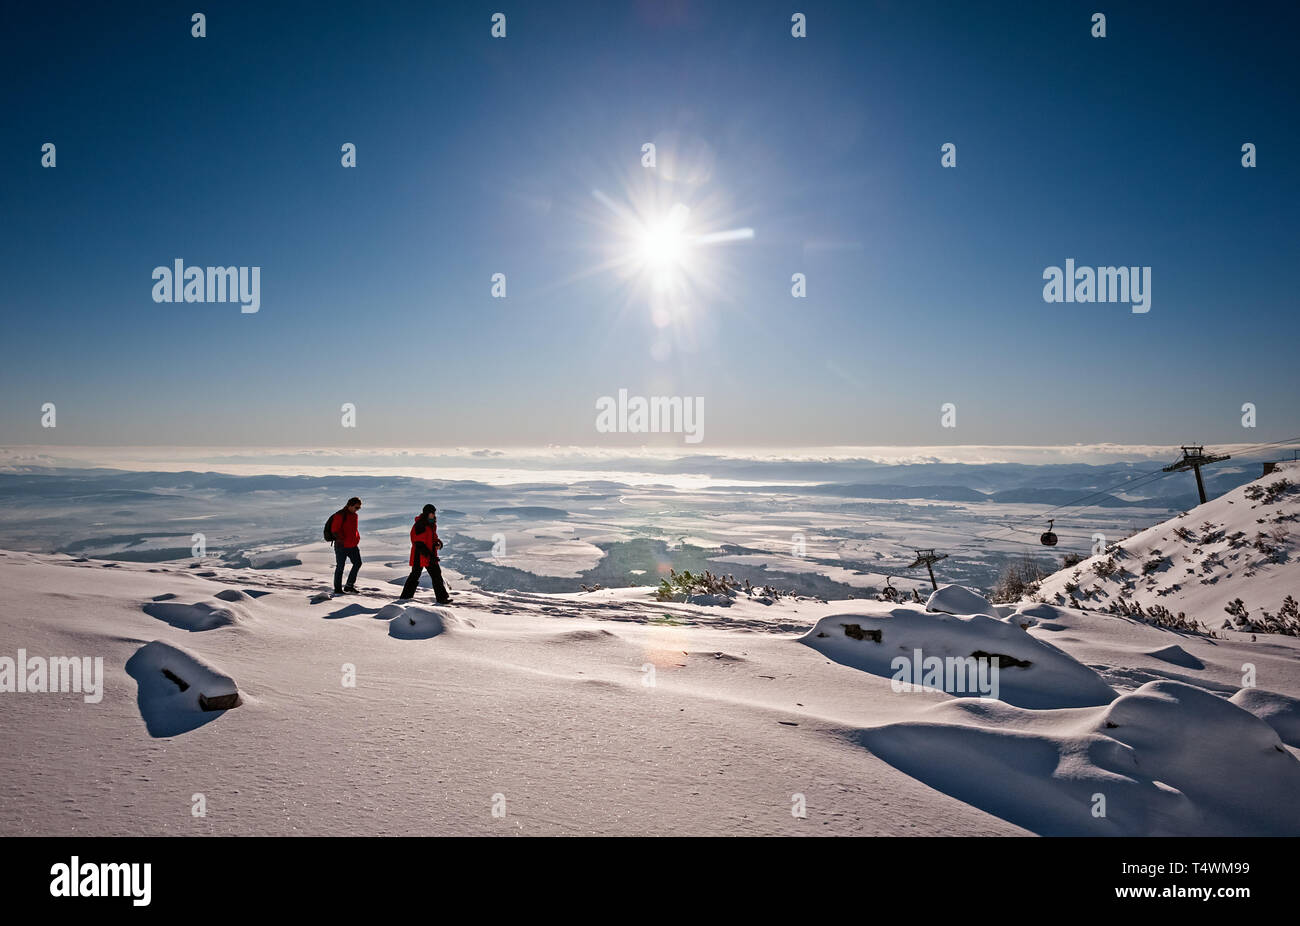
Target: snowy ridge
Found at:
x=1244, y=545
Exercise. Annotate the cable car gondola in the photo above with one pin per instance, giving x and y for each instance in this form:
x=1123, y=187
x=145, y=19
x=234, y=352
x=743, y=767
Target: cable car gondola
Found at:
x=1048, y=539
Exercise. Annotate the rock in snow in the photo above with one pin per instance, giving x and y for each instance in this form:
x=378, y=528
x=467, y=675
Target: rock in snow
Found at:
x=417, y=622
x=174, y=684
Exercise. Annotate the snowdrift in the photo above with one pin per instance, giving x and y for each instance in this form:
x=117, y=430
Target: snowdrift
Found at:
x=1030, y=673
x=1279, y=711
x=234, y=594
x=1168, y=759
x=203, y=615
x=1227, y=760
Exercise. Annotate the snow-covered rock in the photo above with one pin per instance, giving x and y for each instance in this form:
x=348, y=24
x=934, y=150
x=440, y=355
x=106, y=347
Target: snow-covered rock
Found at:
x=1030, y=672
x=178, y=689
x=958, y=599
x=418, y=622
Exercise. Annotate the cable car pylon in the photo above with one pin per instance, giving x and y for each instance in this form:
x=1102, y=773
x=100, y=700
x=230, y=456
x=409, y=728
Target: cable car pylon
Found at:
x=928, y=558
x=1194, y=457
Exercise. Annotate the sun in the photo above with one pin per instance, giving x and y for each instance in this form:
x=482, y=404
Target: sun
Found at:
x=662, y=243
x=661, y=246
x=666, y=256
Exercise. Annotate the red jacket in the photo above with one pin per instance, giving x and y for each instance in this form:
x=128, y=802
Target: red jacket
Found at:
x=344, y=528
x=426, y=532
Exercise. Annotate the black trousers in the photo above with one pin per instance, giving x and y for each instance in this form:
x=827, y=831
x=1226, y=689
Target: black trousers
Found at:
x=342, y=553
x=435, y=576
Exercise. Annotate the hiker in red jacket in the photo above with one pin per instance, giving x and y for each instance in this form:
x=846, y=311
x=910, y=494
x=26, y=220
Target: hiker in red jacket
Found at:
x=424, y=555
x=347, y=544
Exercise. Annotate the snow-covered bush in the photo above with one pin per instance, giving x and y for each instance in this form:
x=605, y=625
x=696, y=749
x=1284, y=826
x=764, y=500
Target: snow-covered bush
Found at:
x=1270, y=493
x=1104, y=568
x=1019, y=578
x=677, y=586
x=1285, y=621
x=1272, y=543
x=1158, y=615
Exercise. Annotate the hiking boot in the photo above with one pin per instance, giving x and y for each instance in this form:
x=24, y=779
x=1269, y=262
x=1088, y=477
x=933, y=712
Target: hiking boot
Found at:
x=338, y=591
x=352, y=589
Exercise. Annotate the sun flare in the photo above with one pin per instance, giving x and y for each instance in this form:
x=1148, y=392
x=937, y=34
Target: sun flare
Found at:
x=668, y=256
x=662, y=243
x=661, y=246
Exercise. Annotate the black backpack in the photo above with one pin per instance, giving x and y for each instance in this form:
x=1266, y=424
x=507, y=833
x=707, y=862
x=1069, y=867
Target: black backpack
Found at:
x=329, y=534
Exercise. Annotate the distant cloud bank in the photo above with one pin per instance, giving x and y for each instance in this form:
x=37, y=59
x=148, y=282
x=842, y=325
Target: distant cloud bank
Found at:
x=810, y=464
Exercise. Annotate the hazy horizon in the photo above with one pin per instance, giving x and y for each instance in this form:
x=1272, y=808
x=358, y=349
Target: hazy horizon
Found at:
x=632, y=466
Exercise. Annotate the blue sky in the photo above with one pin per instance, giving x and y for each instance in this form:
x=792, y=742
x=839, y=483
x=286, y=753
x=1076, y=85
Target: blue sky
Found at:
x=479, y=155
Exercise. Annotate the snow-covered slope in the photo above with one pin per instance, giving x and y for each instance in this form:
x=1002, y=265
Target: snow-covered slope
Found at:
x=1243, y=545
x=609, y=712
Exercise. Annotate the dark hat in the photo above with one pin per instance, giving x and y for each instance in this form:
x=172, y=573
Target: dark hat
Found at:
x=428, y=509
